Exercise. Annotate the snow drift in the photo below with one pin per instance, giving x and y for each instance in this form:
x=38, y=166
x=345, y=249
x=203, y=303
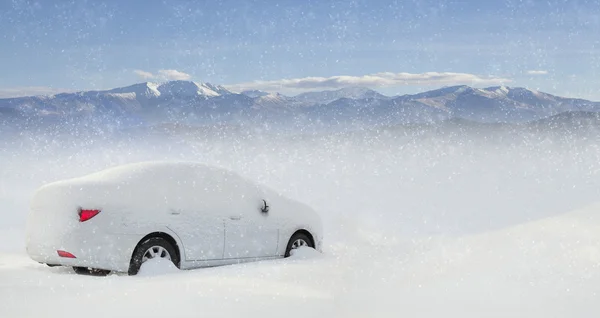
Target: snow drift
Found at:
x=460, y=222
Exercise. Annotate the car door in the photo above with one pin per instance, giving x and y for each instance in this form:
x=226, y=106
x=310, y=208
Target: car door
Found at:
x=250, y=232
x=194, y=213
x=201, y=232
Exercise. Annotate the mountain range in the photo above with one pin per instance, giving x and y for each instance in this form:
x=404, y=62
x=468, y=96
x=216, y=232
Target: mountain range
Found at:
x=189, y=102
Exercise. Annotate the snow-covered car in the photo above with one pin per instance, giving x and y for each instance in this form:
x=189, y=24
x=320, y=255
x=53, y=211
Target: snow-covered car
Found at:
x=192, y=214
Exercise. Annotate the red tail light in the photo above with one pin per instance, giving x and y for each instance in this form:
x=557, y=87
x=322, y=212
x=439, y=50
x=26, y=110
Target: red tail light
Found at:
x=85, y=215
x=65, y=254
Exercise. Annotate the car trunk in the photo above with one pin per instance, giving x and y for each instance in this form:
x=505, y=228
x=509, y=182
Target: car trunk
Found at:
x=53, y=222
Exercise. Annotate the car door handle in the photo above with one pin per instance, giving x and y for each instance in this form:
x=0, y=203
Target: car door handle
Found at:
x=174, y=212
x=235, y=217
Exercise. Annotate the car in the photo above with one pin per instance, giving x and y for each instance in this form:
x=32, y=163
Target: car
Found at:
x=192, y=214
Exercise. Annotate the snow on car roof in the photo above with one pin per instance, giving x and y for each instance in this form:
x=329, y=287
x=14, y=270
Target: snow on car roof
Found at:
x=156, y=166
x=154, y=172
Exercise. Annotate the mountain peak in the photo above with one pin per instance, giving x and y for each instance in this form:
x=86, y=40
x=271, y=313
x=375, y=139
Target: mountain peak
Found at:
x=216, y=88
x=146, y=89
x=325, y=97
x=444, y=91
x=254, y=93
x=272, y=96
x=189, y=89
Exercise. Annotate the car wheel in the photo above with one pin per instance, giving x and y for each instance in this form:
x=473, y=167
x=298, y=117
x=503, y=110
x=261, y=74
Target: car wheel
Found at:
x=154, y=247
x=297, y=240
x=90, y=271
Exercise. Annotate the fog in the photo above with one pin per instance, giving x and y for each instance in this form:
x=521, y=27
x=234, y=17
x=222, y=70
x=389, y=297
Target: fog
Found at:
x=484, y=221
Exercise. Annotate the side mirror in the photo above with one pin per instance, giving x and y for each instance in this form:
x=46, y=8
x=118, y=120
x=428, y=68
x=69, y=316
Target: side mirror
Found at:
x=265, y=207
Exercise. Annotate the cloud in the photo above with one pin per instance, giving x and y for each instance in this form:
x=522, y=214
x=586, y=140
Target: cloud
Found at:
x=384, y=79
x=30, y=91
x=537, y=72
x=174, y=75
x=168, y=75
x=143, y=74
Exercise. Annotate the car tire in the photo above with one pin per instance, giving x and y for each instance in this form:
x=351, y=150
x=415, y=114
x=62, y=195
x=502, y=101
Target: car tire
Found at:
x=155, y=243
x=297, y=240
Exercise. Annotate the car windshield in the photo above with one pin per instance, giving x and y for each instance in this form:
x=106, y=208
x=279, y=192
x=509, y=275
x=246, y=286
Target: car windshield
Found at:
x=430, y=158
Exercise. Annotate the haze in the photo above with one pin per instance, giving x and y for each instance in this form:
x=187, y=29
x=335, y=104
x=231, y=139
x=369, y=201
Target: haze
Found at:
x=451, y=147
x=463, y=222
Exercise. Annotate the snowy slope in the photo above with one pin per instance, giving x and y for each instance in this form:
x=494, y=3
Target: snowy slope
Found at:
x=142, y=90
x=273, y=101
x=498, y=225
x=190, y=89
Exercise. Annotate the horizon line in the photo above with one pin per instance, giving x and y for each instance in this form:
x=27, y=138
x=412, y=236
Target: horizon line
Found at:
x=55, y=92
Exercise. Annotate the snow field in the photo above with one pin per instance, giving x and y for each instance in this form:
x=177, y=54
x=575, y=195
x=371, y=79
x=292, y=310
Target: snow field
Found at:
x=447, y=227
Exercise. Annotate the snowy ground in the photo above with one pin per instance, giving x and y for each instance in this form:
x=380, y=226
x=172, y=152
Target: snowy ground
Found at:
x=426, y=227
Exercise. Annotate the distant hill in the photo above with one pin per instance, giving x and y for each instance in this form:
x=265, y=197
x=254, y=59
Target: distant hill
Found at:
x=192, y=103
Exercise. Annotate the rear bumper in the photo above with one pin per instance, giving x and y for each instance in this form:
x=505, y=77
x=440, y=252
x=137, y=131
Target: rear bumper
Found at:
x=108, y=252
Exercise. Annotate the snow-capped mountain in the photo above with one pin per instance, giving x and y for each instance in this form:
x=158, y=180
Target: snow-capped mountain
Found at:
x=254, y=93
x=326, y=97
x=191, y=89
x=497, y=104
x=171, y=88
x=273, y=101
x=141, y=90
x=192, y=103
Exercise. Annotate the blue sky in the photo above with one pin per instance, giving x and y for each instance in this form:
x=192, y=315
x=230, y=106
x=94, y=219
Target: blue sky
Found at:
x=291, y=46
